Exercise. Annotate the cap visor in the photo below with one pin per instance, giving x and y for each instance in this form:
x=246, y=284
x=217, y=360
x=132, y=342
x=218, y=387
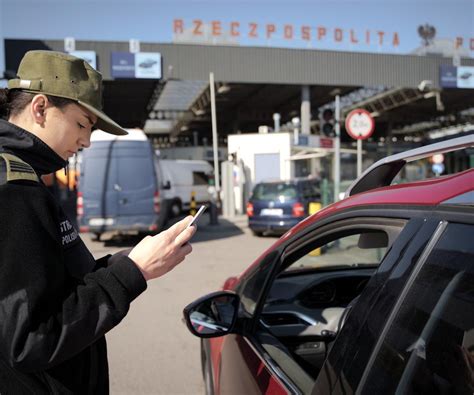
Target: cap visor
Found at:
x=104, y=122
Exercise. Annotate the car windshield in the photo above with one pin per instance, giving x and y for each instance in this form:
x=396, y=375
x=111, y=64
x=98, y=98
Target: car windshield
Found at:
x=356, y=250
x=274, y=191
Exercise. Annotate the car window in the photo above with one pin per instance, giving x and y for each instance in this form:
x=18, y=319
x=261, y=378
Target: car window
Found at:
x=311, y=190
x=129, y=167
x=354, y=250
x=274, y=191
x=200, y=178
x=429, y=347
x=304, y=308
x=253, y=284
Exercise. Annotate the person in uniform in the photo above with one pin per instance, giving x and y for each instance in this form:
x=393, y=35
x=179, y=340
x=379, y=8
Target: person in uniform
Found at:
x=56, y=301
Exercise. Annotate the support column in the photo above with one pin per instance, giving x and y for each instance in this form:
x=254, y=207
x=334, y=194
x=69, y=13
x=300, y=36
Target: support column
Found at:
x=388, y=141
x=305, y=110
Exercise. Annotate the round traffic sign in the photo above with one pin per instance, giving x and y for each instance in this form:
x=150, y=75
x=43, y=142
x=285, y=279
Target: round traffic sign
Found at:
x=437, y=168
x=359, y=124
x=437, y=158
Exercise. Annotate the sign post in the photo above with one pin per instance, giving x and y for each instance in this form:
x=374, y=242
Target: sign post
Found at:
x=359, y=125
x=337, y=147
x=215, y=142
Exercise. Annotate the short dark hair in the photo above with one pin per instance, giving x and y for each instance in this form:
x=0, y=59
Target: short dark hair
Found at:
x=14, y=101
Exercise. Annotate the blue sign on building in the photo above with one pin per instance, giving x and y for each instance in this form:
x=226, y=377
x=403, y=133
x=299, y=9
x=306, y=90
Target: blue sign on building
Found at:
x=123, y=65
x=148, y=65
x=466, y=77
x=136, y=65
x=448, y=76
x=456, y=77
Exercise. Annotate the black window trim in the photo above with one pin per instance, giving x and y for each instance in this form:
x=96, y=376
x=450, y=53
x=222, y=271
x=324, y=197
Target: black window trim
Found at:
x=271, y=364
x=407, y=287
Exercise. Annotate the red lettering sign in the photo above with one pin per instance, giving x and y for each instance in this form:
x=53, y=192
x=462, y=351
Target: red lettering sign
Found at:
x=353, y=37
x=234, y=29
x=321, y=32
x=381, y=34
x=306, y=33
x=216, y=28
x=396, y=40
x=253, y=29
x=270, y=30
x=178, y=26
x=197, y=27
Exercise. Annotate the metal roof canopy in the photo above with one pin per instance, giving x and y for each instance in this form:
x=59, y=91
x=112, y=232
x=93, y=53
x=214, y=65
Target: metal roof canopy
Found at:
x=262, y=81
x=245, y=107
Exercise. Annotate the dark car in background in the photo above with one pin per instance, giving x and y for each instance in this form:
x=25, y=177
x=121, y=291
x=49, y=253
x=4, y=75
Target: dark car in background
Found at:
x=277, y=206
x=371, y=295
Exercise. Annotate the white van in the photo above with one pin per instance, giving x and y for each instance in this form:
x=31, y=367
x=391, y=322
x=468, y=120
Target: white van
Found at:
x=180, y=178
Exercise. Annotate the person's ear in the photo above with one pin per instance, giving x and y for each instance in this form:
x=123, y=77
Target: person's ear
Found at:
x=38, y=107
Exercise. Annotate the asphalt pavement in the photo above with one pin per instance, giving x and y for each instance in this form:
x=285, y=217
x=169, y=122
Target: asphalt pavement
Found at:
x=151, y=351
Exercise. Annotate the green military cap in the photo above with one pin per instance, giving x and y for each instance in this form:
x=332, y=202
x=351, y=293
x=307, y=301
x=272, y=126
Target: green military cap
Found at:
x=60, y=74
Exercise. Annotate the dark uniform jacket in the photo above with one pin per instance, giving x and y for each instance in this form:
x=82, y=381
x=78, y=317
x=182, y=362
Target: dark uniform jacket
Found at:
x=56, y=301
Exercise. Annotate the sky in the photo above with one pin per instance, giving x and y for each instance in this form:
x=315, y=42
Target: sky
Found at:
x=380, y=26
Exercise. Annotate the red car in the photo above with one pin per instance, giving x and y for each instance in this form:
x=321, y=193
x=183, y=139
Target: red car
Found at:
x=373, y=294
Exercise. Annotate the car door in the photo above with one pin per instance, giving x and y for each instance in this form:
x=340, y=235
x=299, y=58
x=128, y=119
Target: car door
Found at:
x=257, y=360
x=383, y=346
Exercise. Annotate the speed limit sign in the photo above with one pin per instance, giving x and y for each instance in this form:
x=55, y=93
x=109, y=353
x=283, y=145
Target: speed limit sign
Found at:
x=359, y=124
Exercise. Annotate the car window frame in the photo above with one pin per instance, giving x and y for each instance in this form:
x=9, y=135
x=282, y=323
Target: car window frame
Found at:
x=409, y=213
x=393, y=212
x=335, y=228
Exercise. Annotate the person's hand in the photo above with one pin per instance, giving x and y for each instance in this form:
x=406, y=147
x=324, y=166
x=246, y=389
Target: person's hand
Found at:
x=157, y=255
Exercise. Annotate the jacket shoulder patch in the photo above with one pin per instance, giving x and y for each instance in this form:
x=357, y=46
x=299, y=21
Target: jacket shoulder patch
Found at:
x=16, y=169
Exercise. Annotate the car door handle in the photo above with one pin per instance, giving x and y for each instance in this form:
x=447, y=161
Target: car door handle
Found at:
x=123, y=201
x=117, y=187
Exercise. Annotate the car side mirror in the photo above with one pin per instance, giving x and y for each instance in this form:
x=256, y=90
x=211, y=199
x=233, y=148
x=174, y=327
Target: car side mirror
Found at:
x=167, y=185
x=212, y=315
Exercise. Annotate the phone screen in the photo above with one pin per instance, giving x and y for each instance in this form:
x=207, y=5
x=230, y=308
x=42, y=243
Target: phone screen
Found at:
x=197, y=215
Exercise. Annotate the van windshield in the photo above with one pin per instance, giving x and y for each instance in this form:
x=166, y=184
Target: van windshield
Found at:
x=274, y=191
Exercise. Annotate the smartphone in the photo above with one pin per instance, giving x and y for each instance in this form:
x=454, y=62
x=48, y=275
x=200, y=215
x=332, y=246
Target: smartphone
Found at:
x=197, y=215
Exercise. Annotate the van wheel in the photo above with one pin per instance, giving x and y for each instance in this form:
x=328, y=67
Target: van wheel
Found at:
x=256, y=233
x=175, y=208
x=96, y=236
